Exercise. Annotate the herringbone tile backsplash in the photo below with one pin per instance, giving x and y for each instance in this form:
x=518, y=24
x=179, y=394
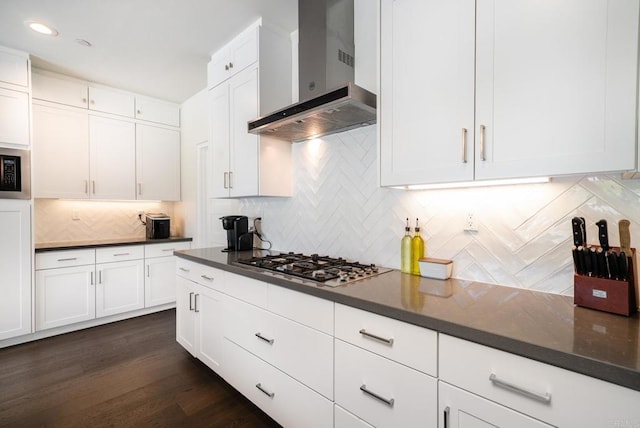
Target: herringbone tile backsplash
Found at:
x=524, y=231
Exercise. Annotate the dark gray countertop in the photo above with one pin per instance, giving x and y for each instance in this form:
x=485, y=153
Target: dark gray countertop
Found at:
x=74, y=245
x=541, y=326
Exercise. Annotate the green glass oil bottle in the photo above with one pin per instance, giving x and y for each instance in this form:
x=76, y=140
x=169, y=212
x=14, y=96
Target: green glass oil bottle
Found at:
x=417, y=250
x=405, y=250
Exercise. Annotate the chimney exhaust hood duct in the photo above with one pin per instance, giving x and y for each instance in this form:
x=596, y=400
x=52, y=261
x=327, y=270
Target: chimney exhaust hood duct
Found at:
x=329, y=100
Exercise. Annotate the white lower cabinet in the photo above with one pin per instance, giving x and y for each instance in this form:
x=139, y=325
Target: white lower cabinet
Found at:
x=461, y=409
x=120, y=287
x=65, y=296
x=382, y=392
x=186, y=314
x=289, y=402
x=160, y=268
x=344, y=419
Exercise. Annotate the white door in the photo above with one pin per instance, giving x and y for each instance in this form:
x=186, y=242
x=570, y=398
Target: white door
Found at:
x=120, y=287
x=209, y=309
x=157, y=163
x=219, y=141
x=160, y=281
x=185, y=315
x=15, y=265
x=556, y=86
x=461, y=409
x=60, y=136
x=65, y=296
x=14, y=117
x=112, y=157
x=427, y=82
x=243, y=105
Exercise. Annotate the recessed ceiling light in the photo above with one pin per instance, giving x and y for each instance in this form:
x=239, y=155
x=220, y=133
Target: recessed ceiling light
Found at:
x=41, y=28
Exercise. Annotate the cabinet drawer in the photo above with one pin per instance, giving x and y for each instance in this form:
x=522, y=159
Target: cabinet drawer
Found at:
x=303, y=353
x=565, y=398
x=397, y=396
x=308, y=310
x=247, y=289
x=118, y=254
x=201, y=274
x=66, y=258
x=287, y=401
x=407, y=344
x=344, y=419
x=165, y=249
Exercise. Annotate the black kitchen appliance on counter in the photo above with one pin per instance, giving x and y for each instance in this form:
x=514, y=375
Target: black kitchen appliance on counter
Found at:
x=158, y=226
x=238, y=236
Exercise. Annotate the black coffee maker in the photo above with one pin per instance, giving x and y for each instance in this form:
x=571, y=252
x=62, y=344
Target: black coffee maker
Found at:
x=238, y=236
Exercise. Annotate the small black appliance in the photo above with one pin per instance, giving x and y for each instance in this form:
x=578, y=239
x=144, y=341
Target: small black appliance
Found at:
x=158, y=226
x=238, y=236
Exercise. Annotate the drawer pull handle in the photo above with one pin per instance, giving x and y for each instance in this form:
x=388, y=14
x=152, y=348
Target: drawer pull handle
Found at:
x=375, y=337
x=121, y=254
x=184, y=269
x=208, y=278
x=261, y=337
x=69, y=259
x=544, y=398
x=169, y=249
x=264, y=391
x=388, y=401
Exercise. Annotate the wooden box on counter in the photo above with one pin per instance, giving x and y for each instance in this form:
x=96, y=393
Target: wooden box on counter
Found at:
x=608, y=295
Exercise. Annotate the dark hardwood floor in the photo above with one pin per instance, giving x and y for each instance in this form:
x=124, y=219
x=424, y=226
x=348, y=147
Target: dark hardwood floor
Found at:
x=128, y=373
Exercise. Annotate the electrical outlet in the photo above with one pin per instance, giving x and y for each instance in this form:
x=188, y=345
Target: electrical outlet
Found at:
x=470, y=222
x=75, y=215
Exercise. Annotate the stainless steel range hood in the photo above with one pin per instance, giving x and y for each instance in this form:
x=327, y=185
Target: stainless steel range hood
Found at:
x=330, y=101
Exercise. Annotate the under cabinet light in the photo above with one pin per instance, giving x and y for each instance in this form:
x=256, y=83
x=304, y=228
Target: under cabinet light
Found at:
x=475, y=183
x=42, y=28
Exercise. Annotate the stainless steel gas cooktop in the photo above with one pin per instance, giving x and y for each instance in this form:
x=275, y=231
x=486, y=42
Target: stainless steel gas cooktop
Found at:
x=326, y=270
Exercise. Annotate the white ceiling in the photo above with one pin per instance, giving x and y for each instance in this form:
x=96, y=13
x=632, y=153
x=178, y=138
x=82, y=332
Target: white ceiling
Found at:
x=158, y=48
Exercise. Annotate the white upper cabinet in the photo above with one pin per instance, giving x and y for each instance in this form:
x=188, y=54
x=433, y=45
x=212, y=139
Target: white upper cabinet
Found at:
x=157, y=163
x=552, y=94
x=60, y=89
x=153, y=110
x=14, y=67
x=14, y=98
x=233, y=58
x=109, y=100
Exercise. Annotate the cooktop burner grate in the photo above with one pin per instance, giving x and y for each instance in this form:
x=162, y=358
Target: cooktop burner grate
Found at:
x=330, y=271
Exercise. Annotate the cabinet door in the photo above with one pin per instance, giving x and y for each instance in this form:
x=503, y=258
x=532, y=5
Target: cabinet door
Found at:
x=112, y=157
x=160, y=281
x=14, y=118
x=426, y=78
x=157, y=163
x=157, y=111
x=243, y=106
x=219, y=141
x=209, y=309
x=15, y=265
x=120, y=287
x=111, y=101
x=60, y=90
x=556, y=87
x=461, y=409
x=60, y=136
x=14, y=68
x=65, y=296
x=185, y=315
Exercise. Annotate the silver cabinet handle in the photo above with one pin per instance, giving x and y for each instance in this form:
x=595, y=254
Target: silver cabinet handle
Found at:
x=264, y=391
x=195, y=303
x=170, y=249
x=86, y=186
x=184, y=269
x=230, y=65
x=482, y=152
x=140, y=189
x=261, y=337
x=542, y=397
x=376, y=337
x=99, y=277
x=93, y=101
x=226, y=180
x=230, y=180
x=121, y=254
x=388, y=401
x=139, y=112
x=208, y=278
x=68, y=259
x=93, y=184
x=92, y=279
x=446, y=417
x=464, y=145
x=226, y=67
x=148, y=271
x=191, y=301
x=84, y=101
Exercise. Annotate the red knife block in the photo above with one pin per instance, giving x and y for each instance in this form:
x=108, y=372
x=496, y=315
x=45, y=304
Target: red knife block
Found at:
x=608, y=295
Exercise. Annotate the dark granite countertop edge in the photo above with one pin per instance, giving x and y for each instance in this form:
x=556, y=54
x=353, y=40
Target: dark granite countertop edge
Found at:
x=75, y=245
x=602, y=370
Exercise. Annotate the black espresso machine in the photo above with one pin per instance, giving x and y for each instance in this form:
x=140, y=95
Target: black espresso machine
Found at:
x=238, y=236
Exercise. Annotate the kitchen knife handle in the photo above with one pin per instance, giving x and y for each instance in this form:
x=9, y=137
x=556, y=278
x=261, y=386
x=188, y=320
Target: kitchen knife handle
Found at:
x=612, y=258
x=576, y=260
x=577, y=225
x=603, y=234
x=623, y=267
x=482, y=154
x=586, y=254
x=594, y=262
x=625, y=237
x=464, y=145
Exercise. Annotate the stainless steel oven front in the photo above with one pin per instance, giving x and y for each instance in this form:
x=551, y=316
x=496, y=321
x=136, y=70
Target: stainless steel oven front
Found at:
x=15, y=174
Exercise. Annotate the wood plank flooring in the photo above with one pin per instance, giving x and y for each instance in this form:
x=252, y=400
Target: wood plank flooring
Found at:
x=124, y=374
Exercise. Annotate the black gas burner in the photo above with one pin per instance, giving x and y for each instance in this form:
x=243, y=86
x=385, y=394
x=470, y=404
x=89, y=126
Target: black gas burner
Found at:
x=327, y=270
